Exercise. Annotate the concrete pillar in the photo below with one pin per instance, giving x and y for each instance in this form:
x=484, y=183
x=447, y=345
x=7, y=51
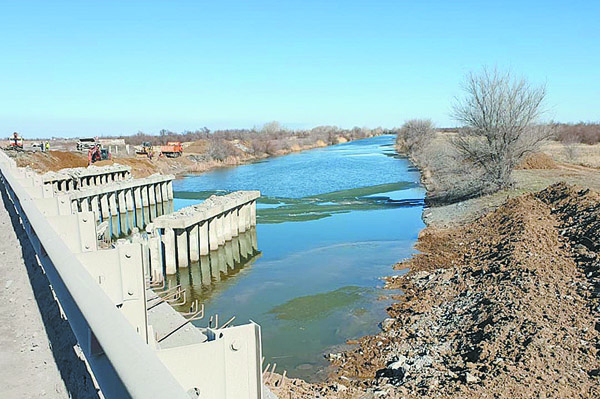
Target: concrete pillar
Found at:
x=159, y=202
x=84, y=204
x=137, y=201
x=168, y=239
x=247, y=216
x=145, y=205
x=152, y=201
x=123, y=212
x=234, y=223
x=155, y=256
x=74, y=207
x=182, y=247
x=130, y=208
x=194, y=246
x=241, y=220
x=105, y=212
x=203, y=233
x=227, y=225
x=213, y=240
x=170, y=195
x=94, y=202
x=164, y=195
x=114, y=213
x=220, y=229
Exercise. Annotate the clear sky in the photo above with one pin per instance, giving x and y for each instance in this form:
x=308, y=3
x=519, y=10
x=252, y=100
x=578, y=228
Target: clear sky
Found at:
x=104, y=67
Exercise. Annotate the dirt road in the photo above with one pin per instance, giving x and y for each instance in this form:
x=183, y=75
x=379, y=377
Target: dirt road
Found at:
x=37, y=357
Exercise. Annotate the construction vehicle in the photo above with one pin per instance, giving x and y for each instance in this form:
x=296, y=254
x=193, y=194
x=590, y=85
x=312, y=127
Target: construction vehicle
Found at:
x=173, y=149
x=15, y=142
x=145, y=150
x=97, y=153
x=86, y=143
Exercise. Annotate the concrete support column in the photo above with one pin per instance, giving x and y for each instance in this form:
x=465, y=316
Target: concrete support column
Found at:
x=227, y=225
x=213, y=241
x=152, y=201
x=104, y=209
x=247, y=216
x=137, y=199
x=159, y=202
x=95, y=206
x=234, y=223
x=114, y=213
x=203, y=233
x=123, y=212
x=164, y=194
x=130, y=208
x=194, y=247
x=170, y=195
x=74, y=207
x=155, y=256
x=182, y=247
x=241, y=220
x=168, y=239
x=220, y=227
x=145, y=205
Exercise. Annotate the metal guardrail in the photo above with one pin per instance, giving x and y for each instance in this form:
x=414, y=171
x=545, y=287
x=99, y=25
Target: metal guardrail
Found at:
x=123, y=364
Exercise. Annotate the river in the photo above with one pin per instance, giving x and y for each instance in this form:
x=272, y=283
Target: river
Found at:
x=331, y=223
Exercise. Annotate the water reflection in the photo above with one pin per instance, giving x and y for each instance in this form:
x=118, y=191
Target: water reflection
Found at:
x=213, y=272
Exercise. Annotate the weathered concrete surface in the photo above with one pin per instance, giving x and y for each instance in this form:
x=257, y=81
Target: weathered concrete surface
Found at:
x=163, y=319
x=37, y=358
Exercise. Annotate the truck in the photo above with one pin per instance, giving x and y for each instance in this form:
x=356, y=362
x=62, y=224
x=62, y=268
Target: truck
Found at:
x=173, y=149
x=86, y=143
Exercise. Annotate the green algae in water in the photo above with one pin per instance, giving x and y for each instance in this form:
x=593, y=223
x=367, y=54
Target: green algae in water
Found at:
x=318, y=306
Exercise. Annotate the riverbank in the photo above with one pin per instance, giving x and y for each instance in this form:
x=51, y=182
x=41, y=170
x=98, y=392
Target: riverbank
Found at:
x=196, y=158
x=502, y=300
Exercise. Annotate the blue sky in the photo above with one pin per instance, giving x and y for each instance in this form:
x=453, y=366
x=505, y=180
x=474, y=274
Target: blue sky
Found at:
x=103, y=67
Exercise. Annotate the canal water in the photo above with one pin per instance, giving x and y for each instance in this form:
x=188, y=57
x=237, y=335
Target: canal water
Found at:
x=331, y=223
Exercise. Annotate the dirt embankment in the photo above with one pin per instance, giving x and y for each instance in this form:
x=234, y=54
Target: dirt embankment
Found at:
x=194, y=160
x=506, y=306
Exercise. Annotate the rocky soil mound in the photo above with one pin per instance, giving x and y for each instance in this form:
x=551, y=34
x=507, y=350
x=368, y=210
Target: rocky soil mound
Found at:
x=537, y=160
x=505, y=307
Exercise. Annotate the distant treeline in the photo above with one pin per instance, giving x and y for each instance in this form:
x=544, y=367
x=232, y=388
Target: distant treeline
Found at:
x=568, y=133
x=269, y=139
x=270, y=131
x=582, y=132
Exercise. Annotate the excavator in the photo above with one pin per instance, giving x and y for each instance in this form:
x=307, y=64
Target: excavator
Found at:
x=15, y=142
x=97, y=153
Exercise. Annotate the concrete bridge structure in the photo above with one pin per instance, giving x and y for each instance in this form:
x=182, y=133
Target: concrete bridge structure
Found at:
x=76, y=178
x=194, y=231
x=105, y=293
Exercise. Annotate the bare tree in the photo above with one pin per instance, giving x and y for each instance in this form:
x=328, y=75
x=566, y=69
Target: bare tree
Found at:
x=414, y=135
x=500, y=116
